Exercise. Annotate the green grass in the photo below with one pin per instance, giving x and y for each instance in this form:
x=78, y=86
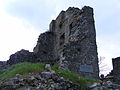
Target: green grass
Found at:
x=26, y=68
x=74, y=78
x=22, y=69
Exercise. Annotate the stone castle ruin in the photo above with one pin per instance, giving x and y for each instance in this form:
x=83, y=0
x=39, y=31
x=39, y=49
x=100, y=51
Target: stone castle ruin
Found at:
x=116, y=70
x=70, y=42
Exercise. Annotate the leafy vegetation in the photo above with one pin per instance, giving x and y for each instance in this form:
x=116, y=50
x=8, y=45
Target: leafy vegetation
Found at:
x=22, y=69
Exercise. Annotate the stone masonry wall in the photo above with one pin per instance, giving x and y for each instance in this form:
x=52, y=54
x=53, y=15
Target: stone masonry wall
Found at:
x=71, y=40
x=21, y=56
x=116, y=70
x=44, y=49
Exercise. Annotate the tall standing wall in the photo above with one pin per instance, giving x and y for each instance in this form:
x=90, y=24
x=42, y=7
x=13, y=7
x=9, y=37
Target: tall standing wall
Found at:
x=116, y=70
x=73, y=42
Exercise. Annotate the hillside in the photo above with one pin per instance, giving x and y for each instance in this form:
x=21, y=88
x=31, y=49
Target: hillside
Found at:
x=25, y=76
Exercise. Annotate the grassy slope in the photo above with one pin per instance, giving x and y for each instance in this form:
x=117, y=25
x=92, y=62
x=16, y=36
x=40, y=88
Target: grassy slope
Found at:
x=22, y=68
x=26, y=68
x=74, y=78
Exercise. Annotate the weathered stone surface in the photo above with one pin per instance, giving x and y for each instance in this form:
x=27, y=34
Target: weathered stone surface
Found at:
x=44, y=48
x=18, y=57
x=39, y=81
x=71, y=40
x=21, y=56
x=3, y=65
x=108, y=85
x=76, y=40
x=86, y=68
x=47, y=67
x=116, y=70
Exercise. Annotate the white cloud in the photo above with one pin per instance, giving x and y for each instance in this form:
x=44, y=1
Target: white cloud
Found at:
x=108, y=46
x=15, y=34
x=36, y=12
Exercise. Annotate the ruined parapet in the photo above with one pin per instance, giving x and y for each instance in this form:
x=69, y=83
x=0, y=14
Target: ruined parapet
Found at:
x=116, y=70
x=72, y=42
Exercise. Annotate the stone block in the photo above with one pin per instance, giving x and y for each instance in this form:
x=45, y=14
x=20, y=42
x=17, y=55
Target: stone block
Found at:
x=86, y=68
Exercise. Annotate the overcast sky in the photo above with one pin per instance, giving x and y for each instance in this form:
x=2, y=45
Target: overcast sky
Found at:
x=22, y=21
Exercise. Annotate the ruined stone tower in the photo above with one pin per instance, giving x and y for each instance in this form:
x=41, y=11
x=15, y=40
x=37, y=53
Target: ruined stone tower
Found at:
x=116, y=70
x=71, y=41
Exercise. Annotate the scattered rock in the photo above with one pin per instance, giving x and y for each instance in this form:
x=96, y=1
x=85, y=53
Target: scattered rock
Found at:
x=108, y=85
x=39, y=81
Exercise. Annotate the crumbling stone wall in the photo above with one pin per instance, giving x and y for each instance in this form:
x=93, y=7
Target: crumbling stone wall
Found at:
x=21, y=56
x=116, y=70
x=71, y=40
x=44, y=49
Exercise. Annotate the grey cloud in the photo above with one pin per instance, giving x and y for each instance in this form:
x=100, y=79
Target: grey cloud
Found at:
x=37, y=12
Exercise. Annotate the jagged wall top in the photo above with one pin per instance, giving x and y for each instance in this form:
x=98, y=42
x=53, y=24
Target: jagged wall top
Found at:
x=69, y=13
x=70, y=41
x=75, y=40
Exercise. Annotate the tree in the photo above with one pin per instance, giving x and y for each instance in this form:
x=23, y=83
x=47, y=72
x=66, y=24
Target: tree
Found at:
x=102, y=66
